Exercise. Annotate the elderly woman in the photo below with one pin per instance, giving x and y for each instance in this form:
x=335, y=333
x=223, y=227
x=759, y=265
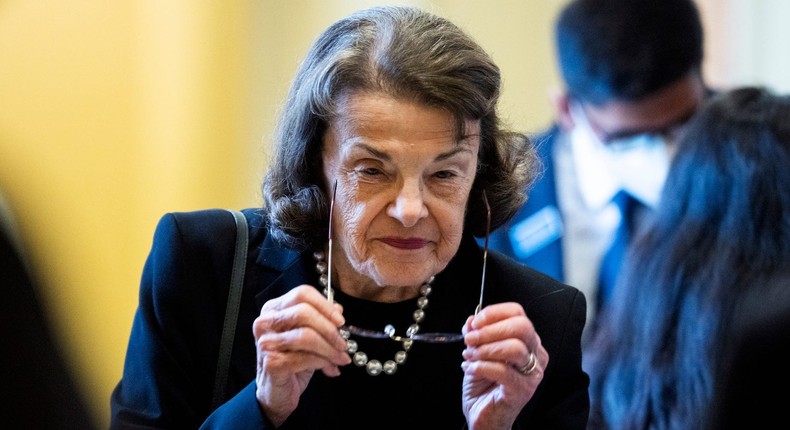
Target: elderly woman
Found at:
x=367, y=302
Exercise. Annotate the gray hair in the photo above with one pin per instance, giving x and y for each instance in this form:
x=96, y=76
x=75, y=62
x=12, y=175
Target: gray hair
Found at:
x=408, y=54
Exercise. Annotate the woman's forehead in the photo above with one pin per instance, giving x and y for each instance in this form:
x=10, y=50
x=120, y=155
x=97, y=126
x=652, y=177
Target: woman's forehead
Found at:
x=380, y=114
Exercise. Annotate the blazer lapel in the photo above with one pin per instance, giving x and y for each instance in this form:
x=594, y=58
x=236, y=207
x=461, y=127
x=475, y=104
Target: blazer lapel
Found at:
x=284, y=269
x=536, y=231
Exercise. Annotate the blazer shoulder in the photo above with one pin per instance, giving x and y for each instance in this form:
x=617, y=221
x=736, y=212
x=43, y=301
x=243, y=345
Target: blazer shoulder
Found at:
x=204, y=228
x=536, y=281
x=536, y=291
x=197, y=245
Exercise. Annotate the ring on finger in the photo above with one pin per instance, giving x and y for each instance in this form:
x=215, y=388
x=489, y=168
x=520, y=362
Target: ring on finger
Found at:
x=532, y=364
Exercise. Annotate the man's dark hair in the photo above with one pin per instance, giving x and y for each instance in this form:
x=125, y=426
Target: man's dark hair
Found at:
x=627, y=49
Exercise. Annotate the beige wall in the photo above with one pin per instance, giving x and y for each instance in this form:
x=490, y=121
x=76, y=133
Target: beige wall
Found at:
x=746, y=43
x=112, y=113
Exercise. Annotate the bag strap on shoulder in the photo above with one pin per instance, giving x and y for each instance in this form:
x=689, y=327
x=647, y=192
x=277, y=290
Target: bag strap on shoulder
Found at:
x=231, y=310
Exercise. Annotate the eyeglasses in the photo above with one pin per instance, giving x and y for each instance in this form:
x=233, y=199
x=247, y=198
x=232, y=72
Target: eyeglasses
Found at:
x=622, y=140
x=389, y=330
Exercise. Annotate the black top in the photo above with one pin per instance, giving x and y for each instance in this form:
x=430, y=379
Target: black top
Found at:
x=173, y=347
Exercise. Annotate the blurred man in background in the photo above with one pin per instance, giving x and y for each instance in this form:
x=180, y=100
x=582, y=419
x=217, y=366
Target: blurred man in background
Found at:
x=632, y=80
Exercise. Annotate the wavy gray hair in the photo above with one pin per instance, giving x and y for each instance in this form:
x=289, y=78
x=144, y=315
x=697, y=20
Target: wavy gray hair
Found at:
x=405, y=53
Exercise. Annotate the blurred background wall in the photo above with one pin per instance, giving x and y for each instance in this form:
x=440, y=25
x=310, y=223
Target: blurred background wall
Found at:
x=113, y=113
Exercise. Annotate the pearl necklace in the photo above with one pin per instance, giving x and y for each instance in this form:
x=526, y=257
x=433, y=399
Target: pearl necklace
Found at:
x=372, y=366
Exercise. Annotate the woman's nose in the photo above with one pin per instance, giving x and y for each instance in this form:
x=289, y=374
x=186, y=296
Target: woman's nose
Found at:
x=409, y=205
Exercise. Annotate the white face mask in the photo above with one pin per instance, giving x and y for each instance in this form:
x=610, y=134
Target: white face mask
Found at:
x=637, y=164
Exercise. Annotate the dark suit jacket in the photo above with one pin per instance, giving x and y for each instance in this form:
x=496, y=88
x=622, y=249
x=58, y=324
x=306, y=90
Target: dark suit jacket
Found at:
x=172, y=353
x=533, y=235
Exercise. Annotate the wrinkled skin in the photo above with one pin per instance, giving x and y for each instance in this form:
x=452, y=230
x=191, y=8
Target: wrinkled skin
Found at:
x=403, y=183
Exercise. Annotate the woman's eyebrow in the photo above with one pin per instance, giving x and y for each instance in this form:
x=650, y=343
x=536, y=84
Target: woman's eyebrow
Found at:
x=443, y=156
x=463, y=146
x=374, y=152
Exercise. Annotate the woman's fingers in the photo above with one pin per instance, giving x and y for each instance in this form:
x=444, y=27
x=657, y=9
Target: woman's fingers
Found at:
x=503, y=335
x=307, y=295
x=301, y=326
x=306, y=340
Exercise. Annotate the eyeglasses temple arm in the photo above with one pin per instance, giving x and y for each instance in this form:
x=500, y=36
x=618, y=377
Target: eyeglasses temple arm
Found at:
x=329, y=291
x=485, y=252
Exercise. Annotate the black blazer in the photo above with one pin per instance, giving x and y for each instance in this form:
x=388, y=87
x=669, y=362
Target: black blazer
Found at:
x=172, y=353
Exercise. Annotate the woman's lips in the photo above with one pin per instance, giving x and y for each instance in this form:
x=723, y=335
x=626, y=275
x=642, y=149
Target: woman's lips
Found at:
x=405, y=243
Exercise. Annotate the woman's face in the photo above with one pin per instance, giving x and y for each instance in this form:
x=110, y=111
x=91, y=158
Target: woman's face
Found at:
x=403, y=182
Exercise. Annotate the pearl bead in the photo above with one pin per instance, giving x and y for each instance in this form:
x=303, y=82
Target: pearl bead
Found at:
x=360, y=358
x=373, y=367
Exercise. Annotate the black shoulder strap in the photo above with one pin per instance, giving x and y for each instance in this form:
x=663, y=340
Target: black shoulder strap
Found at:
x=232, y=310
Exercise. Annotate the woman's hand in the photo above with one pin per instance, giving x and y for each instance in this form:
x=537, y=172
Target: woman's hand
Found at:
x=295, y=334
x=500, y=373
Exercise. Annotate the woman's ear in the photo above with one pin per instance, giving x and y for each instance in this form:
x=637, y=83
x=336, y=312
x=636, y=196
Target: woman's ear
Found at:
x=560, y=101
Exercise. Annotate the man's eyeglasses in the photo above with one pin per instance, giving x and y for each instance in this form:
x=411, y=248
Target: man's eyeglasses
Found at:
x=389, y=330
x=622, y=140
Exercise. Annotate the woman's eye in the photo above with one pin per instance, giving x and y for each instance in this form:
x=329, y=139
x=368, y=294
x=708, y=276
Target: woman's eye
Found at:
x=444, y=174
x=371, y=171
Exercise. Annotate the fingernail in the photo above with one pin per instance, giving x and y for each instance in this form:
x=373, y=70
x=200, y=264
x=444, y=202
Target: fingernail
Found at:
x=467, y=354
x=338, y=315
